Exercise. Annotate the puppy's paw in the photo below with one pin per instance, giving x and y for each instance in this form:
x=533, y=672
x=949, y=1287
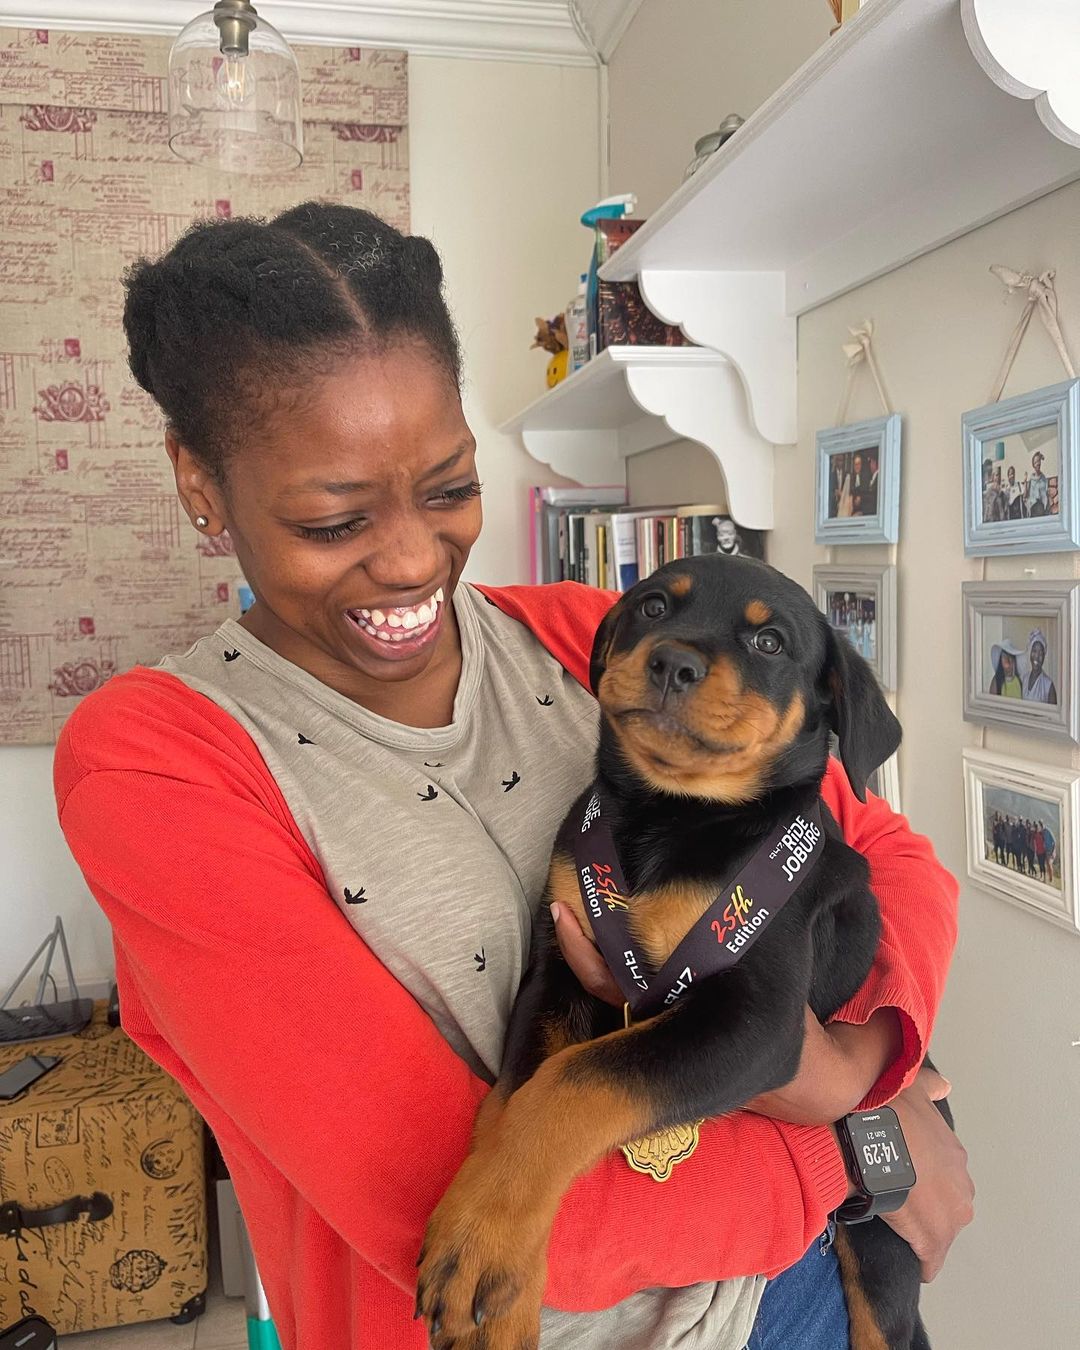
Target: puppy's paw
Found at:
x=482, y=1271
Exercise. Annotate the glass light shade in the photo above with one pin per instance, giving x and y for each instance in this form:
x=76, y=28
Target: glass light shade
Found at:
x=234, y=110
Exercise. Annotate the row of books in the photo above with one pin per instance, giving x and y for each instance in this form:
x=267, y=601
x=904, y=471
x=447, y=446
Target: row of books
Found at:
x=592, y=535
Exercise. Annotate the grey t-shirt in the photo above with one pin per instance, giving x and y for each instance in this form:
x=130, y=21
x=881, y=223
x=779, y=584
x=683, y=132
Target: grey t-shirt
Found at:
x=435, y=844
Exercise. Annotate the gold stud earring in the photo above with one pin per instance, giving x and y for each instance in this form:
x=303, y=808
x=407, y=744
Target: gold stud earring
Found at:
x=202, y=522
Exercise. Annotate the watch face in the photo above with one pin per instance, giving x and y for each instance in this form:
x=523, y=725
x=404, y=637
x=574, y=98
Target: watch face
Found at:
x=877, y=1145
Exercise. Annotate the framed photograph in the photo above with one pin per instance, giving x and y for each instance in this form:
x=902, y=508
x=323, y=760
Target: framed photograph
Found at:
x=1022, y=821
x=860, y=603
x=858, y=483
x=1021, y=462
x=1020, y=668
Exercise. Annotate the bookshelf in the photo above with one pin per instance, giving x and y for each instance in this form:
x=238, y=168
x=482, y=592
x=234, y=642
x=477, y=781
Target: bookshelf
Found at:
x=631, y=399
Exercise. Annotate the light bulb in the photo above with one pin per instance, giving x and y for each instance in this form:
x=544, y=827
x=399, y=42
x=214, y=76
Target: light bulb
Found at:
x=231, y=82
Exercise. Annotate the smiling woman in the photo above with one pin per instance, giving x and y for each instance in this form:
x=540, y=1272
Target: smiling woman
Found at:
x=321, y=834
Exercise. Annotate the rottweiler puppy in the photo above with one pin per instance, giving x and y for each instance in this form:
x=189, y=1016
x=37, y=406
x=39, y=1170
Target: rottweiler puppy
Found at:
x=719, y=684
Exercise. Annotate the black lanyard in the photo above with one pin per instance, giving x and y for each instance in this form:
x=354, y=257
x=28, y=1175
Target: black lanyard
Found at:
x=724, y=933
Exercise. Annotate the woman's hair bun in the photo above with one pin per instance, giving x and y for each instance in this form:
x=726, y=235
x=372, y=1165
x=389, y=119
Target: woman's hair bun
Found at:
x=422, y=256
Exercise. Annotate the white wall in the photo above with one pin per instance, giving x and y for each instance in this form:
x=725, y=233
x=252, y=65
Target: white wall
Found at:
x=1012, y=1007
x=504, y=161
x=683, y=65
x=500, y=150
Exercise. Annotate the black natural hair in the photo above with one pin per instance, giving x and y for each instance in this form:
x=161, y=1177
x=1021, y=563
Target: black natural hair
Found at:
x=240, y=311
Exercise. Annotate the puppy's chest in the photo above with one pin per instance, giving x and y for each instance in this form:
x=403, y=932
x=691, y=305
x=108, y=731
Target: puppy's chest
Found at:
x=661, y=916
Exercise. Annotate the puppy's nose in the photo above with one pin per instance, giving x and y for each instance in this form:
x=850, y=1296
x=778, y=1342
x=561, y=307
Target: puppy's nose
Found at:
x=677, y=668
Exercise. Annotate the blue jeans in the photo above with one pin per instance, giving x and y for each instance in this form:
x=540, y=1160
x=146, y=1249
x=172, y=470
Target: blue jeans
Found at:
x=804, y=1308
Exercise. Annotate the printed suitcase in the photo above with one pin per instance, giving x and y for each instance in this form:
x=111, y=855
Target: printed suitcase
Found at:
x=102, y=1188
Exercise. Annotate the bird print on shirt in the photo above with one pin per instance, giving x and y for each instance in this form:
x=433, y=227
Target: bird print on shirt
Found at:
x=355, y=897
x=511, y=782
x=480, y=958
x=433, y=764
x=231, y=656
x=301, y=739
x=546, y=701
x=430, y=795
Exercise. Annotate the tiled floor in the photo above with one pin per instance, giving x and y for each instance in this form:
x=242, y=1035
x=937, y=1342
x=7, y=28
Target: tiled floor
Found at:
x=222, y=1327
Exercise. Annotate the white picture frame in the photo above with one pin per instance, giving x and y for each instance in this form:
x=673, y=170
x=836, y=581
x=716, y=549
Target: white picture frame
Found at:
x=873, y=584
x=1020, y=789
x=1002, y=620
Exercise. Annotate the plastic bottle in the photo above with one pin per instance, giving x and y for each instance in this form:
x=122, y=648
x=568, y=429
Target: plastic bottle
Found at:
x=577, y=327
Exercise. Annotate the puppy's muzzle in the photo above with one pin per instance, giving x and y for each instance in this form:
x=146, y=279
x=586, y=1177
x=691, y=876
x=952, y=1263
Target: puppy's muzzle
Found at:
x=674, y=669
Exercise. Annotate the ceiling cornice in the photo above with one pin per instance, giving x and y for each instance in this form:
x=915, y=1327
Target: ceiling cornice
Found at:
x=501, y=30
x=607, y=21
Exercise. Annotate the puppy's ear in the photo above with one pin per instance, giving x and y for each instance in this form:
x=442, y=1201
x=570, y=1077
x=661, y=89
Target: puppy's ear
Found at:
x=864, y=724
x=605, y=636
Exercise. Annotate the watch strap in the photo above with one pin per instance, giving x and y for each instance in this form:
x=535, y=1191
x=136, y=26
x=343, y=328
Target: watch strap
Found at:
x=862, y=1207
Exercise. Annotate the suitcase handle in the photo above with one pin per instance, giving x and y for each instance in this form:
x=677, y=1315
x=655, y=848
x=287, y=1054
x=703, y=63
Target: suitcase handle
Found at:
x=13, y=1217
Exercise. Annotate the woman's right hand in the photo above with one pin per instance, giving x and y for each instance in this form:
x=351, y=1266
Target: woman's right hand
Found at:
x=584, y=959
x=942, y=1201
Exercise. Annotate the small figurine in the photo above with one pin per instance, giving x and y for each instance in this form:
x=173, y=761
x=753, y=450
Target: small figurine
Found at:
x=551, y=335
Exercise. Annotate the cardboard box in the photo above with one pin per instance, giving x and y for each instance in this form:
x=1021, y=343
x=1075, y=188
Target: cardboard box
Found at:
x=112, y=1132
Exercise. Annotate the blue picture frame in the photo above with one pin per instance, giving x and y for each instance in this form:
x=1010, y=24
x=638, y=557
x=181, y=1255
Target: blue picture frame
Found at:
x=877, y=436
x=1057, y=406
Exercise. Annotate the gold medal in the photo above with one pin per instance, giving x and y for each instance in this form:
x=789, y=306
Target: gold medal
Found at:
x=658, y=1153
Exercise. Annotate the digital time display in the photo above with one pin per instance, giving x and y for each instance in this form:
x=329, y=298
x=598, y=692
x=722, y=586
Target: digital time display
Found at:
x=879, y=1151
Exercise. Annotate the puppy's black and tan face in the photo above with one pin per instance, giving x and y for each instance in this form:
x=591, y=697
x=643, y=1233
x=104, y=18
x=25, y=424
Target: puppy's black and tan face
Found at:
x=720, y=679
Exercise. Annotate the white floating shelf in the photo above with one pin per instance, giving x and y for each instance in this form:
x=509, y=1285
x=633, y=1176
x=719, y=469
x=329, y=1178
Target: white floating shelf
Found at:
x=630, y=399
x=888, y=142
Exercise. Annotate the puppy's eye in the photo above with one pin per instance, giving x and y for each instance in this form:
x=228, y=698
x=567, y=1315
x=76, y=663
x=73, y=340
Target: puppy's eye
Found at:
x=768, y=640
x=654, y=607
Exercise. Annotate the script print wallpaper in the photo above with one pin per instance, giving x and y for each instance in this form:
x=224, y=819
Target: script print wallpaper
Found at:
x=99, y=568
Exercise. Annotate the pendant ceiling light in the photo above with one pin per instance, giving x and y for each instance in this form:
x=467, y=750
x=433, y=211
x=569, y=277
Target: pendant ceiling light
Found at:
x=234, y=93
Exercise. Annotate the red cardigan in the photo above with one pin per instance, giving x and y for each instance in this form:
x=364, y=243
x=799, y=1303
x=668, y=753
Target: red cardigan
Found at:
x=341, y=1111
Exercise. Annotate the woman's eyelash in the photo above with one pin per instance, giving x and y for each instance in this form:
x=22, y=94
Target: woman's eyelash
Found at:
x=464, y=493
x=329, y=533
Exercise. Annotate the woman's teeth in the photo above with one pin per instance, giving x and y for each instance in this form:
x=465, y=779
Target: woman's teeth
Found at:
x=401, y=622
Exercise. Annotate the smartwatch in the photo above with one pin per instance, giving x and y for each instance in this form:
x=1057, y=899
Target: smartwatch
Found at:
x=877, y=1161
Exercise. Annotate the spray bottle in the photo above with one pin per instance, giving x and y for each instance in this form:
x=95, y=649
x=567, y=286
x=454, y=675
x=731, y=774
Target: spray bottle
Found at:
x=611, y=208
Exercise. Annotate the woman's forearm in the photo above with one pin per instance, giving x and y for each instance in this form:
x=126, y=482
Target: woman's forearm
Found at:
x=839, y=1065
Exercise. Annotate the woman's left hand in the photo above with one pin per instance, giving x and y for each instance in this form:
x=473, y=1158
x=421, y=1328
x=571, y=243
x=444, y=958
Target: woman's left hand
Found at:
x=942, y=1201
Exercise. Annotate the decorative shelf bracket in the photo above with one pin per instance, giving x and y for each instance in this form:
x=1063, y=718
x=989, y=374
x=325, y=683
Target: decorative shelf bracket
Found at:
x=631, y=399
x=628, y=400
x=706, y=403
x=587, y=456
x=741, y=314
